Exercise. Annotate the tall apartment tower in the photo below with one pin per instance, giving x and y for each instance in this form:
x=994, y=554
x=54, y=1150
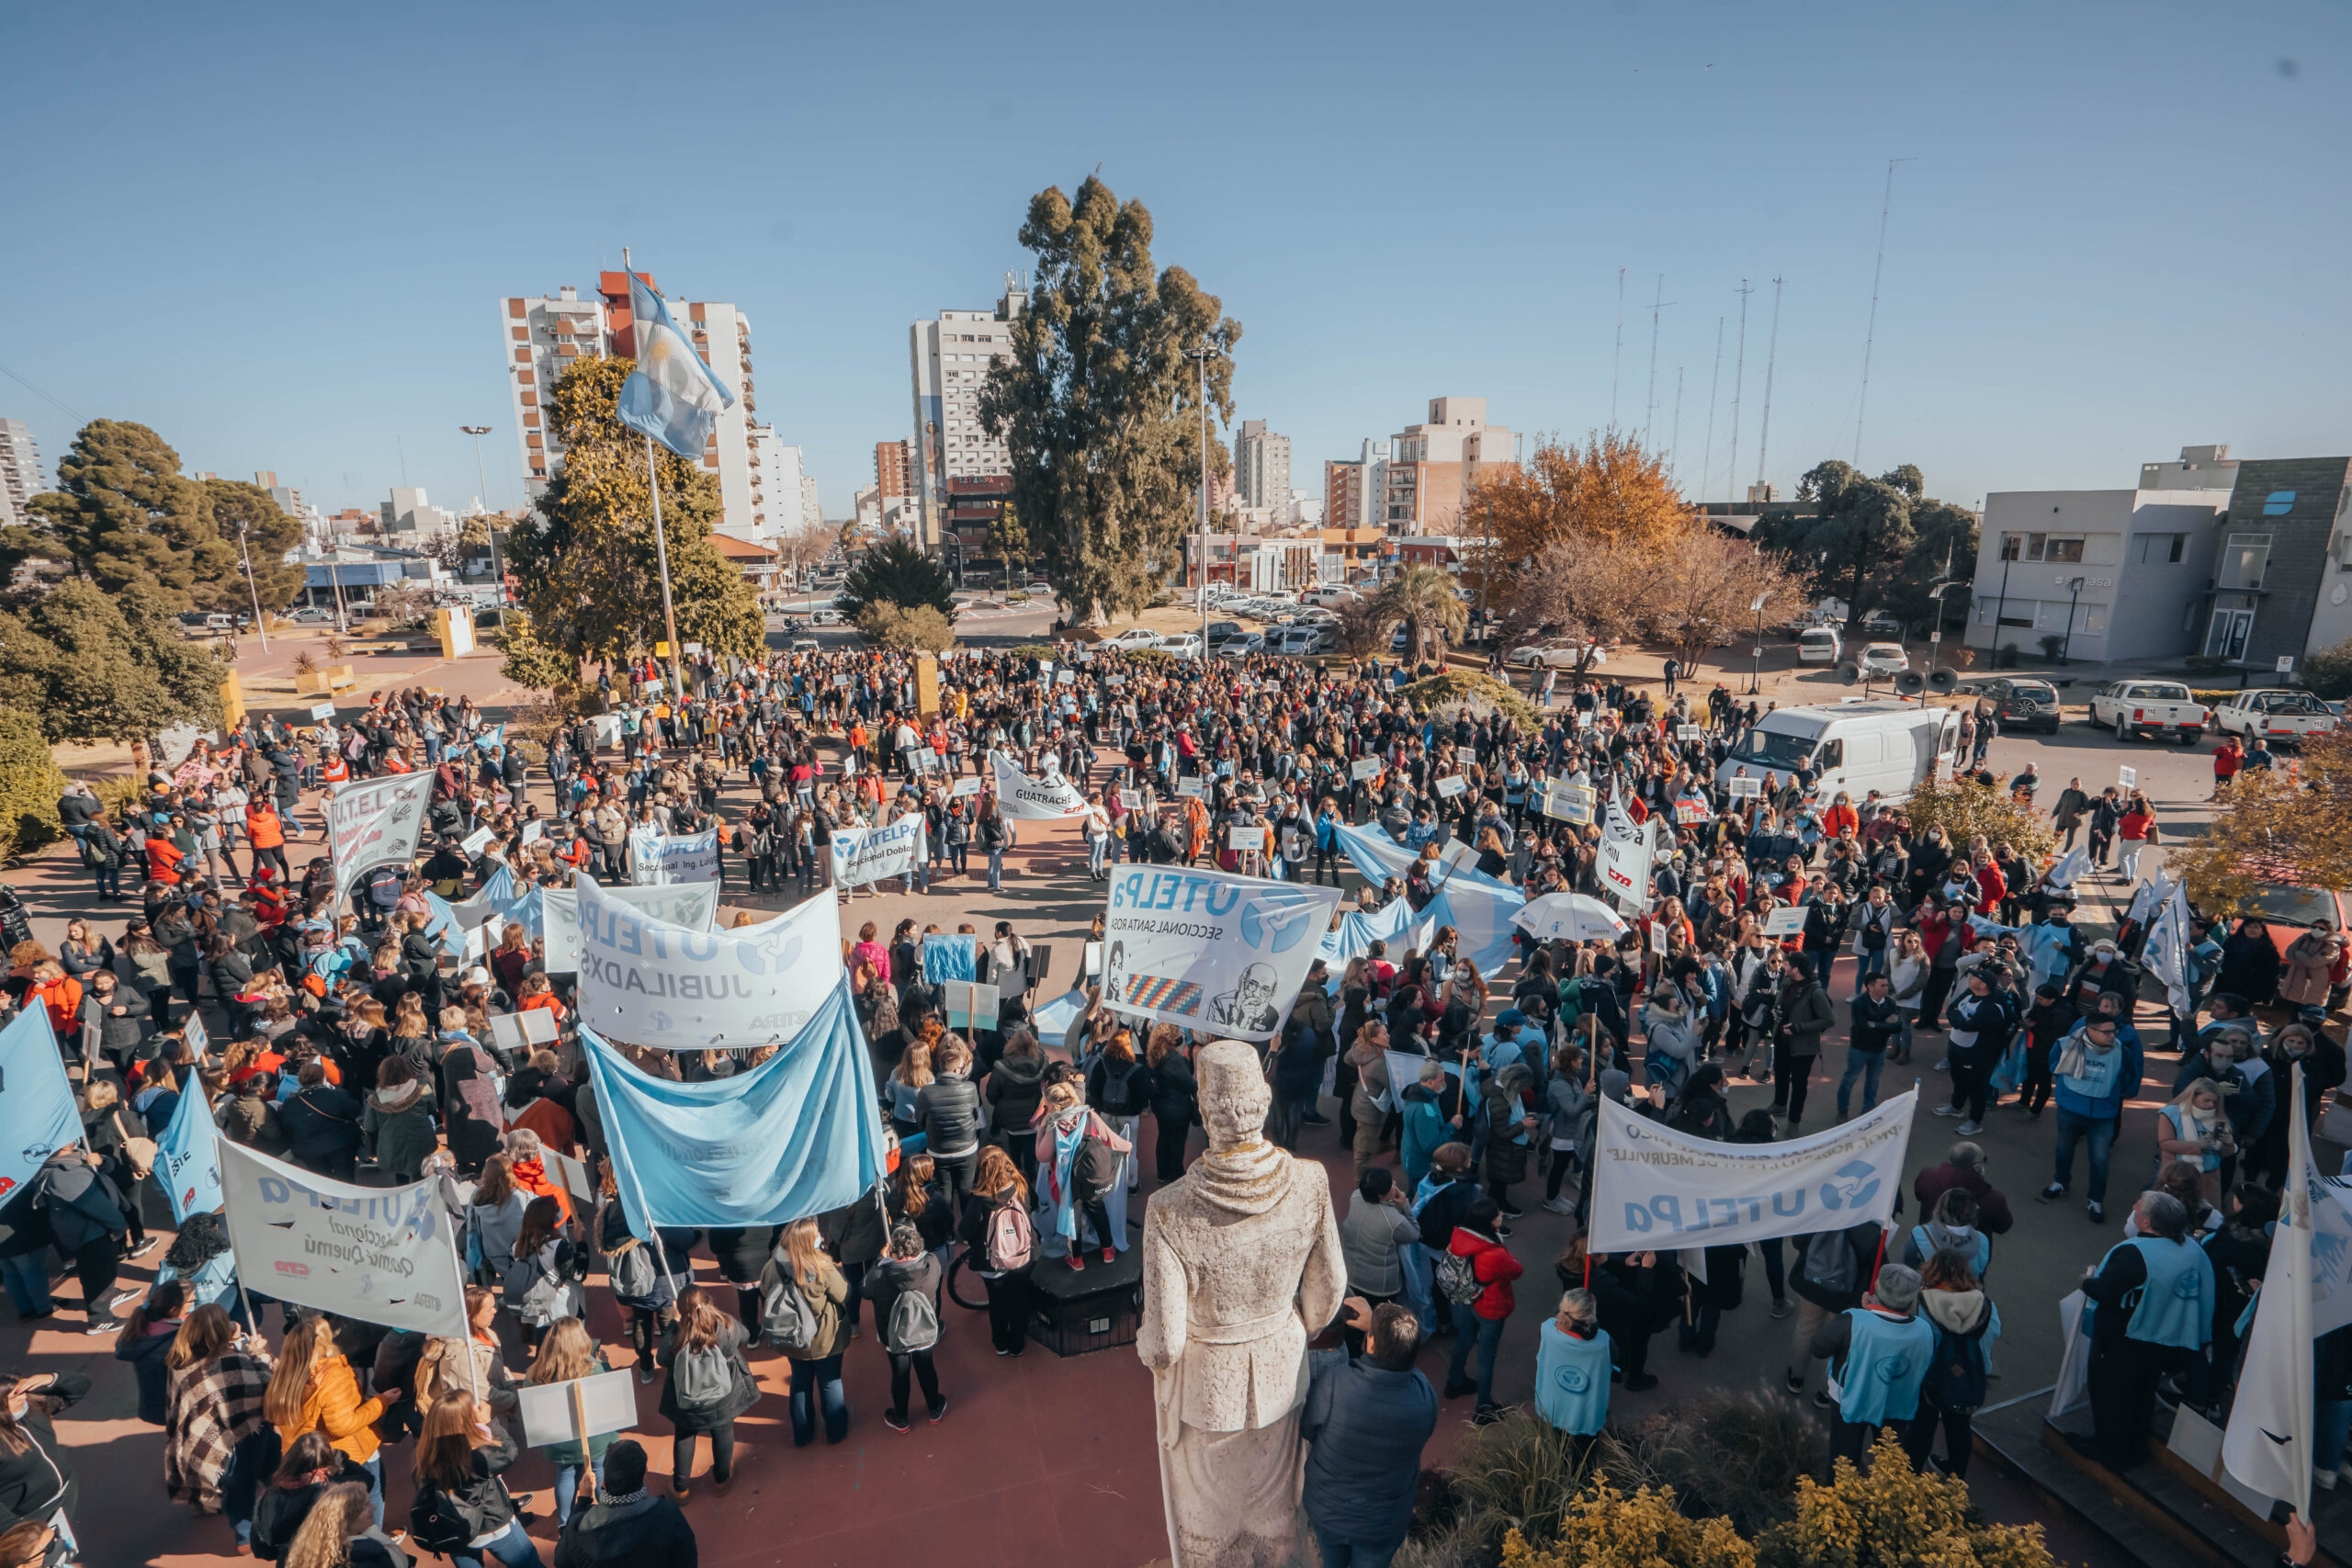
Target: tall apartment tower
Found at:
x=894, y=463
x=545, y=335
x=950, y=359
x=1435, y=464
x=1353, y=487
x=20, y=478
x=1261, y=467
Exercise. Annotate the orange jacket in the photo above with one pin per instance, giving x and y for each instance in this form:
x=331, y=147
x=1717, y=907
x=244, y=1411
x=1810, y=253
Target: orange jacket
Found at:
x=63, y=998
x=264, y=828
x=163, y=859
x=1841, y=819
x=333, y=1406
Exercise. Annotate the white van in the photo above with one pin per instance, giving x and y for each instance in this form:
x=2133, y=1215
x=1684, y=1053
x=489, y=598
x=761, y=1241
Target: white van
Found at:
x=1818, y=645
x=1856, y=747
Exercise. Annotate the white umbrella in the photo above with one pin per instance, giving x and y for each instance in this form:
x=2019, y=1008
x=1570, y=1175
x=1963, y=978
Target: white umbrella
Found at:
x=1568, y=917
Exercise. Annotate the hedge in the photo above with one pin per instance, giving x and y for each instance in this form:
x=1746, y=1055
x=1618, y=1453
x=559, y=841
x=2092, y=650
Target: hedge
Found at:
x=29, y=785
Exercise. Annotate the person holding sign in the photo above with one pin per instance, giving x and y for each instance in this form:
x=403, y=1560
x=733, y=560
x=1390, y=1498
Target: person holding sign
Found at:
x=625, y=1527
x=462, y=1508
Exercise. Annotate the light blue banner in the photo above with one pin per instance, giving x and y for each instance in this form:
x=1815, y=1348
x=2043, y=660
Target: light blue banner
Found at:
x=950, y=958
x=1478, y=906
x=187, y=1158
x=795, y=1136
x=37, y=1113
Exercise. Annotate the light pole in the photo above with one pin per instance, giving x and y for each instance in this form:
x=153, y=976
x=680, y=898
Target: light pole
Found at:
x=2074, y=594
x=497, y=568
x=1200, y=357
x=2000, y=606
x=1755, y=650
x=259, y=625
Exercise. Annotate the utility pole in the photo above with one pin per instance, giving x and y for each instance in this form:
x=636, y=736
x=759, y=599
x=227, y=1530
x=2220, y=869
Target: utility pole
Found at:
x=1738, y=379
x=497, y=568
x=259, y=625
x=1869, y=338
x=1674, y=442
x=1772, y=356
x=1200, y=357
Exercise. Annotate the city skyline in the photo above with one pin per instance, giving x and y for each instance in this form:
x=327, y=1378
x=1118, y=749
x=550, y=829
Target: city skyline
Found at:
x=2067, y=288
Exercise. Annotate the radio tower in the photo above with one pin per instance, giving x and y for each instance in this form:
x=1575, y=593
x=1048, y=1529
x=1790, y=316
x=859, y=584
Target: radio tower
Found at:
x=1619, y=358
x=1738, y=379
x=1764, y=435
x=1869, y=338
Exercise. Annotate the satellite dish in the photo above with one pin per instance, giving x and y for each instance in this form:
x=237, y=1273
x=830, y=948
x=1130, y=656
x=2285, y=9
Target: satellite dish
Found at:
x=1910, y=683
x=1849, y=673
x=1943, y=680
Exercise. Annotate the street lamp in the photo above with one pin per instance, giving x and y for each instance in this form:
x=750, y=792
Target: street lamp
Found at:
x=2074, y=593
x=259, y=625
x=1200, y=357
x=497, y=568
x=1755, y=650
x=2008, y=554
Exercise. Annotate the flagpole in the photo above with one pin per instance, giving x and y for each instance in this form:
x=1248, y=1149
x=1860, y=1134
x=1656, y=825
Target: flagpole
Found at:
x=660, y=544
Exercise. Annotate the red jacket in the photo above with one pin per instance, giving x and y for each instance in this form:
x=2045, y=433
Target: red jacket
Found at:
x=1491, y=1262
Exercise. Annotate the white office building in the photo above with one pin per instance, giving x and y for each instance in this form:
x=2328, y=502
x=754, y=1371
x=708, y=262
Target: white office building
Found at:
x=1262, y=467
x=20, y=476
x=949, y=360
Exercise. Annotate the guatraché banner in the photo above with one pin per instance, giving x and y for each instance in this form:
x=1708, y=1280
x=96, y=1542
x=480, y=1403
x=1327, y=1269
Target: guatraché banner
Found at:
x=870, y=854
x=552, y=914
x=1625, y=856
x=1657, y=1189
x=657, y=859
x=380, y=1254
x=36, y=1106
x=1024, y=799
x=187, y=1162
x=373, y=822
x=797, y=1135
x=1208, y=950
x=646, y=981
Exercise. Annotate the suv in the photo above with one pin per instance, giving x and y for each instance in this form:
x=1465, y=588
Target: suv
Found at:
x=2022, y=705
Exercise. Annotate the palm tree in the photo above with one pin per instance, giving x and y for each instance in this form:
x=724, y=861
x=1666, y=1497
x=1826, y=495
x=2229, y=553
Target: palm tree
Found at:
x=1426, y=599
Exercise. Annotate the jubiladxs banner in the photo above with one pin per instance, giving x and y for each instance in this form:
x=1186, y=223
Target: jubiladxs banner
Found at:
x=1210, y=951
x=644, y=981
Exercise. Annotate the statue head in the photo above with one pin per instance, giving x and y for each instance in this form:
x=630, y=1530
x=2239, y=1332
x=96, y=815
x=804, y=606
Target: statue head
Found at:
x=1234, y=1094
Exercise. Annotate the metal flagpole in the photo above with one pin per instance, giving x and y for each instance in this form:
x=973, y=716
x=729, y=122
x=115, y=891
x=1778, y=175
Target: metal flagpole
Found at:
x=662, y=557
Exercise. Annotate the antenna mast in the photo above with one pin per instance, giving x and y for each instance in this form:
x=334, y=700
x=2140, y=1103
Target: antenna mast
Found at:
x=1620, y=357
x=1738, y=381
x=1649, y=401
x=1764, y=437
x=1707, y=456
x=1674, y=442
x=1869, y=338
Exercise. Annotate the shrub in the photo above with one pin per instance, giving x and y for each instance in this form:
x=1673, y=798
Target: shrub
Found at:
x=1605, y=1531
x=1036, y=650
x=1483, y=694
x=306, y=663
x=1893, y=1515
x=2329, y=671
x=1739, y=1455
x=29, y=785
x=535, y=667
x=906, y=629
x=1518, y=1475
x=1963, y=809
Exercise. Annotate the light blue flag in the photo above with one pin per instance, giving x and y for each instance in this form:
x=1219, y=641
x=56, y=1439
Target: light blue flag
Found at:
x=795, y=1136
x=529, y=911
x=671, y=395
x=37, y=1114
x=442, y=927
x=1357, y=932
x=187, y=1164
x=950, y=958
x=495, y=736
x=499, y=891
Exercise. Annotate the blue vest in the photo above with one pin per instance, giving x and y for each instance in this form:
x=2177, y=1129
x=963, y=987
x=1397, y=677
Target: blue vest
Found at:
x=2096, y=1081
x=1886, y=1361
x=1571, y=1379
x=2175, y=1306
x=1979, y=1258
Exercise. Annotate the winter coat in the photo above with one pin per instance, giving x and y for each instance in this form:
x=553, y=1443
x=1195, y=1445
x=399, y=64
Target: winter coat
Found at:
x=2310, y=958
x=689, y=1420
x=398, y=1125
x=1506, y=1156
x=647, y=1532
x=1494, y=1266
x=1014, y=1087
x=146, y=1357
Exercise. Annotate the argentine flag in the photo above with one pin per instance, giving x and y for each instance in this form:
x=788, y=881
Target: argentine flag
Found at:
x=672, y=395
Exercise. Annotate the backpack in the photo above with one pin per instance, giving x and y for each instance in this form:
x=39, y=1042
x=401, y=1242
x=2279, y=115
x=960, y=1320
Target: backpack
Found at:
x=1094, y=1169
x=913, y=1325
x=1458, y=1280
x=1012, y=1238
x=787, y=1317
x=632, y=1271
x=703, y=1379
x=1829, y=1263
x=1957, y=1377
x=544, y=1297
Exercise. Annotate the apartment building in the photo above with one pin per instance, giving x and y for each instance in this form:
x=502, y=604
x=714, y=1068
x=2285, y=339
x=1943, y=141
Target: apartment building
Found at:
x=20, y=475
x=1262, y=468
x=894, y=469
x=1354, y=488
x=949, y=359
x=1433, y=464
x=544, y=336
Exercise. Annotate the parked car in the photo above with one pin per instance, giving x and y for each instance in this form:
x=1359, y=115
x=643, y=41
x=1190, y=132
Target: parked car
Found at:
x=310, y=616
x=2022, y=704
x=1133, y=637
x=1238, y=645
x=1223, y=630
x=2150, y=707
x=1818, y=645
x=804, y=645
x=1045, y=589
x=1308, y=639
x=1883, y=623
x=1884, y=659
x=196, y=624
x=1330, y=598
x=2279, y=716
x=824, y=617
x=1183, y=645
x=1559, y=654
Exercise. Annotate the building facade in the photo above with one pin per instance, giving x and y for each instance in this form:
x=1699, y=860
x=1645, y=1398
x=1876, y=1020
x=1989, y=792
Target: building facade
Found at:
x=544, y=337
x=2282, y=577
x=949, y=360
x=894, y=469
x=1434, y=465
x=20, y=475
x=1354, y=488
x=1262, y=467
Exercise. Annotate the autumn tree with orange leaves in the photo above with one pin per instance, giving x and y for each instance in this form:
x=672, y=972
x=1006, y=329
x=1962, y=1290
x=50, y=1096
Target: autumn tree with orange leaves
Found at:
x=1608, y=491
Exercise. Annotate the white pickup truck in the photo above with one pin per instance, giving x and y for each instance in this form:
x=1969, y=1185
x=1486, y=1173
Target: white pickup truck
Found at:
x=2276, y=714
x=2150, y=707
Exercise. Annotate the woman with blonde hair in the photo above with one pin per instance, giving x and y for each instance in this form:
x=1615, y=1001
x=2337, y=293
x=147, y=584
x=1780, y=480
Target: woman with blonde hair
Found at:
x=907, y=1080
x=2194, y=1128
x=568, y=1354
x=313, y=1389
x=1572, y=1369
x=217, y=1446
x=462, y=1509
x=820, y=1326
x=337, y=1533
x=473, y=1364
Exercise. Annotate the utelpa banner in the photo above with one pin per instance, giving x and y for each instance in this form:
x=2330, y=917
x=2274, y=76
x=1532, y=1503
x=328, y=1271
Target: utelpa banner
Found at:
x=373, y=822
x=552, y=914
x=646, y=981
x=870, y=854
x=1653, y=1189
x=380, y=1254
x=661, y=858
x=1210, y=951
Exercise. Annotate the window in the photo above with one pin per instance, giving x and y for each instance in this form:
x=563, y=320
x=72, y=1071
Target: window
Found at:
x=2244, y=561
x=2066, y=550
x=2155, y=549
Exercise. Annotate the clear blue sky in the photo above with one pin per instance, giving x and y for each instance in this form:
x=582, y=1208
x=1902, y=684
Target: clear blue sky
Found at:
x=278, y=235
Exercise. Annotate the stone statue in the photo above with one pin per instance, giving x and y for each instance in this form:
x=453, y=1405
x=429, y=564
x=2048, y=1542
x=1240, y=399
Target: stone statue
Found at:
x=1240, y=1262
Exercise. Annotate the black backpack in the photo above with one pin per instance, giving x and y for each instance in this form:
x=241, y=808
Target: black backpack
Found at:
x=1956, y=1377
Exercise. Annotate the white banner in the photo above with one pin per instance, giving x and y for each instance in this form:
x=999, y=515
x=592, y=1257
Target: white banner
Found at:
x=1026, y=799
x=2165, y=956
x=1625, y=856
x=2269, y=1443
x=380, y=1254
x=694, y=904
x=658, y=859
x=1657, y=1189
x=373, y=822
x=1222, y=953
x=648, y=982
x=869, y=854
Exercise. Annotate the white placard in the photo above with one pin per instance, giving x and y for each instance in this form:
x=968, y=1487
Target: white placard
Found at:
x=1114, y=680
x=539, y=1026
x=2285, y=664
x=1091, y=962
x=1568, y=802
x=1131, y=800
x=962, y=787
x=1451, y=786
x=380, y=1254
x=1065, y=677
x=1363, y=768
x=646, y=982
x=1687, y=732
x=573, y=1412
x=1787, y=920
x=1745, y=788
x=969, y=1004
x=1211, y=949
x=472, y=842
x=1193, y=784
x=1657, y=937
x=322, y=712
x=849, y=764
x=2128, y=778
x=1247, y=838
x=1654, y=1188
x=506, y=1033
x=575, y=1178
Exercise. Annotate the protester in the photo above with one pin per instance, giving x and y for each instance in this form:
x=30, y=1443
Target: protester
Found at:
x=568, y=1354
x=802, y=1293
x=218, y=1447
x=2151, y=1305
x=313, y=1389
x=904, y=1287
x=1967, y=1323
x=1879, y=1354
x=462, y=1508
x=624, y=1526
x=1477, y=1285
x=1364, y=1426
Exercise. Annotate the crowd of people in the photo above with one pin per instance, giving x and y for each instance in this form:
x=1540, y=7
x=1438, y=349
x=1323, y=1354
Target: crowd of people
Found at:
x=348, y=1036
